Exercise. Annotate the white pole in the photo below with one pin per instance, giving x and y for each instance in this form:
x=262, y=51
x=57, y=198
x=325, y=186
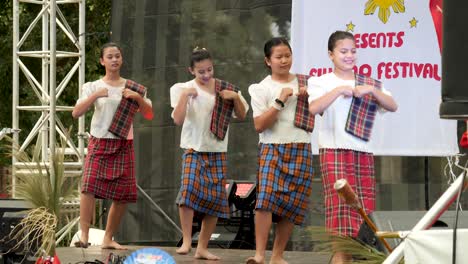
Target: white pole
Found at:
x=52, y=86
x=45, y=82
x=15, y=124
x=81, y=74
x=46, y=88
x=431, y=216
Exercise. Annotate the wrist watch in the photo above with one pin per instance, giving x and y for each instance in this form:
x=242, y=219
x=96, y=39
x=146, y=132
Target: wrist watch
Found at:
x=279, y=102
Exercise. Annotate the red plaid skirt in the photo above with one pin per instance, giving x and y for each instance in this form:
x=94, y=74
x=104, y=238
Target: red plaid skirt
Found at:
x=358, y=169
x=109, y=170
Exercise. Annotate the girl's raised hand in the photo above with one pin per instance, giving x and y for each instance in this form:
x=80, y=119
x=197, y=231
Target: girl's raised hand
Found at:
x=285, y=93
x=228, y=94
x=302, y=91
x=191, y=92
x=127, y=93
x=102, y=92
x=362, y=90
x=346, y=91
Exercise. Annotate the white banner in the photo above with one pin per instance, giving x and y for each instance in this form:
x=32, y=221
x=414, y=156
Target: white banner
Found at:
x=435, y=246
x=397, y=44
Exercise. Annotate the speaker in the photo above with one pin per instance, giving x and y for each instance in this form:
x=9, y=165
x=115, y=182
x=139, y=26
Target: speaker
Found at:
x=7, y=224
x=10, y=253
x=11, y=214
x=404, y=221
x=13, y=205
x=454, y=60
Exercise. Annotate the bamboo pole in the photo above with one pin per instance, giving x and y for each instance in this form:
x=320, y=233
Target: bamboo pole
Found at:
x=347, y=193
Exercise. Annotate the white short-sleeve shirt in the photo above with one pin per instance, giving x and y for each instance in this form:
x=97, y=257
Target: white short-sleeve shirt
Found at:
x=331, y=133
x=196, y=133
x=283, y=131
x=104, y=108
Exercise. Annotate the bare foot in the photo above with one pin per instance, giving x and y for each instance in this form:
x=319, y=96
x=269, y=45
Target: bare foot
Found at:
x=184, y=250
x=205, y=254
x=112, y=245
x=80, y=244
x=255, y=260
x=278, y=261
x=83, y=242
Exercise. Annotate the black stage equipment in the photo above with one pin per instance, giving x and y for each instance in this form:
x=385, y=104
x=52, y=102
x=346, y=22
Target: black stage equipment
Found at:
x=11, y=214
x=231, y=189
x=115, y=259
x=454, y=78
x=403, y=221
x=245, y=195
x=239, y=230
x=13, y=205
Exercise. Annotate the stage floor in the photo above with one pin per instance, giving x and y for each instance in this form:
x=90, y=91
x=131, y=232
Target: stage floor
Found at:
x=237, y=256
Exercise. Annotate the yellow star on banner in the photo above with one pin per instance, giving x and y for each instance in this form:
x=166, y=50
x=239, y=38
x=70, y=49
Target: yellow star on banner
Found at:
x=413, y=22
x=350, y=27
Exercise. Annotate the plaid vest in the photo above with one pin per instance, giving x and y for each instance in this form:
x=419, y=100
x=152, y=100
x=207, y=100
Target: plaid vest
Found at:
x=222, y=111
x=303, y=119
x=362, y=112
x=123, y=117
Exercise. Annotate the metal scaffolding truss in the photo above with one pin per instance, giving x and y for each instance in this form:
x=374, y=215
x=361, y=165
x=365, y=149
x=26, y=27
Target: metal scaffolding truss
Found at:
x=48, y=127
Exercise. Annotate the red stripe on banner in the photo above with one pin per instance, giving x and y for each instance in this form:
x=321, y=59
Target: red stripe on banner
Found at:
x=437, y=14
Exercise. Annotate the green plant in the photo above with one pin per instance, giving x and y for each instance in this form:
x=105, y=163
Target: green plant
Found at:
x=46, y=188
x=329, y=242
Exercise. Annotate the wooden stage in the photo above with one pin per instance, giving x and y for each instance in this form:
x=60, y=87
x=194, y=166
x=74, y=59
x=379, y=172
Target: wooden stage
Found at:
x=72, y=255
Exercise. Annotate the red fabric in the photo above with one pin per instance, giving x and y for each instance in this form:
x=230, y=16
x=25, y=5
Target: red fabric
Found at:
x=437, y=16
x=303, y=119
x=123, y=117
x=109, y=170
x=222, y=111
x=48, y=260
x=358, y=169
x=464, y=140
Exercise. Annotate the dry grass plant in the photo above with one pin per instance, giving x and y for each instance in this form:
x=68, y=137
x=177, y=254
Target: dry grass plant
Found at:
x=329, y=242
x=46, y=194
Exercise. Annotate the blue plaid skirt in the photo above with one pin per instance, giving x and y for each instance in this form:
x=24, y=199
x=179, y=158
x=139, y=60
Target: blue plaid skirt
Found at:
x=203, y=184
x=284, y=180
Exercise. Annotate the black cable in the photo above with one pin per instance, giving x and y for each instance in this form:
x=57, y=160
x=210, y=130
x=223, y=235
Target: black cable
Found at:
x=99, y=218
x=455, y=225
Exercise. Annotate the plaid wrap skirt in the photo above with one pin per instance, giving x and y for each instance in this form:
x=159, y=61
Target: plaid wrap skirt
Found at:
x=358, y=169
x=203, y=184
x=284, y=180
x=108, y=171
